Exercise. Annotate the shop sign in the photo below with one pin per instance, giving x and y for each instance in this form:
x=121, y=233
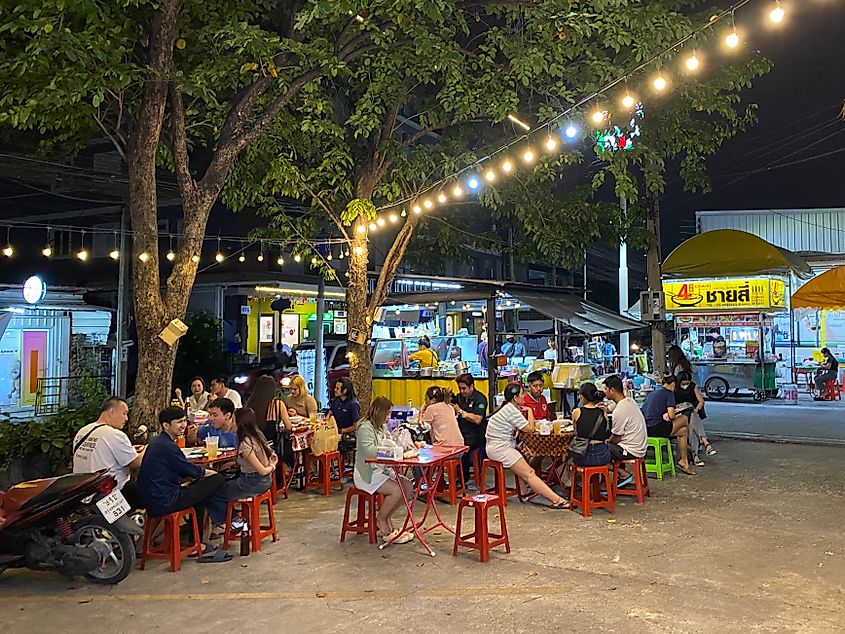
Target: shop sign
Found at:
x=246, y=310
x=34, y=290
x=733, y=294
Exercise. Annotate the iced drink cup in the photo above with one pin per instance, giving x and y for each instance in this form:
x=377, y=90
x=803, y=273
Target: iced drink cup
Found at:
x=211, y=444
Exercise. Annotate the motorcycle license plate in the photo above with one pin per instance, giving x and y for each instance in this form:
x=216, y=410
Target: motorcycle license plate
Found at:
x=113, y=506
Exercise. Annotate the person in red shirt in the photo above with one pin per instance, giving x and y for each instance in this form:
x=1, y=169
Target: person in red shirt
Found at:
x=534, y=399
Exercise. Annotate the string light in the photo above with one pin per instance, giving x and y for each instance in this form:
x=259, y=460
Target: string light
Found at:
x=507, y=166
x=490, y=176
x=144, y=257
x=82, y=254
x=628, y=101
x=551, y=143
x=114, y=254
x=219, y=257
x=195, y=258
x=242, y=258
x=314, y=260
x=280, y=261
x=732, y=39
x=417, y=209
x=380, y=222
x=571, y=131
x=428, y=204
x=373, y=226
x=358, y=250
x=8, y=250
x=47, y=251
x=395, y=218
x=473, y=183
x=659, y=83
x=777, y=13
x=361, y=229
x=170, y=255
x=528, y=156
x=693, y=63
x=297, y=258
x=441, y=198
x=457, y=192
x=598, y=116
x=329, y=256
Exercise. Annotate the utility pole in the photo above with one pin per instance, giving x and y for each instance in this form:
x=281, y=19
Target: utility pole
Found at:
x=655, y=282
x=624, y=305
x=319, y=349
x=121, y=330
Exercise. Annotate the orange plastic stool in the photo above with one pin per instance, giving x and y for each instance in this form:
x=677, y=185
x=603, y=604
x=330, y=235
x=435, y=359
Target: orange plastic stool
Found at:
x=476, y=468
x=274, y=489
x=250, y=511
x=324, y=479
x=481, y=538
x=456, y=486
x=591, y=489
x=172, y=548
x=832, y=392
x=365, y=518
x=636, y=466
x=499, y=484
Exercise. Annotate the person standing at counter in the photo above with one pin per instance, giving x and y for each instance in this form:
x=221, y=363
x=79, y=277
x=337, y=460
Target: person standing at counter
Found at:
x=471, y=409
x=551, y=353
x=425, y=356
x=513, y=348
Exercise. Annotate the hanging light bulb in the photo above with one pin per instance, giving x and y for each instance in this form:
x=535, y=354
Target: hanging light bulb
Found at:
x=358, y=250
x=114, y=254
x=441, y=198
x=571, y=131
x=551, y=143
x=693, y=63
x=473, y=183
x=82, y=254
x=394, y=217
x=507, y=166
x=260, y=257
x=528, y=155
x=380, y=222
x=428, y=204
x=241, y=258
x=373, y=226
x=219, y=257
x=297, y=258
x=598, y=116
x=489, y=176
x=144, y=256
x=47, y=251
x=329, y=256
x=8, y=250
x=628, y=101
x=361, y=229
x=777, y=13
x=659, y=83
x=404, y=213
x=195, y=258
x=170, y=256
x=457, y=192
x=314, y=261
x=732, y=39
x=417, y=209
x=280, y=261
x=340, y=255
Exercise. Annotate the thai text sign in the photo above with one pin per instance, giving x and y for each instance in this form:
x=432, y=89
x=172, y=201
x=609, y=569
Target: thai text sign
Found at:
x=733, y=294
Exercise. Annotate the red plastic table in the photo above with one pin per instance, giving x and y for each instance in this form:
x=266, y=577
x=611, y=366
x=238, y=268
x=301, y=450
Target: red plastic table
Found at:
x=223, y=455
x=430, y=461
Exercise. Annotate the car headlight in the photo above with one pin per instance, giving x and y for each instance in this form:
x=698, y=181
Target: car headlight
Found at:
x=240, y=380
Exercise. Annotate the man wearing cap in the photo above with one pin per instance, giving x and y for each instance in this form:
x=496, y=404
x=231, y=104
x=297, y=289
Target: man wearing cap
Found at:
x=165, y=467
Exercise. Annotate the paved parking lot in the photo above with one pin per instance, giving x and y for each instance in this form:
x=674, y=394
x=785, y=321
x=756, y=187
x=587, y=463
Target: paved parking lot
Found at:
x=753, y=543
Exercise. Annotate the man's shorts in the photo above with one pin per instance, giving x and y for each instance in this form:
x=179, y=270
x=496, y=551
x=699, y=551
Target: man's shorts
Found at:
x=662, y=430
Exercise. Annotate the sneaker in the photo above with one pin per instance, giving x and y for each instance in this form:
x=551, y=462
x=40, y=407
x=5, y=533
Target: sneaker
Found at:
x=697, y=461
x=711, y=450
x=238, y=524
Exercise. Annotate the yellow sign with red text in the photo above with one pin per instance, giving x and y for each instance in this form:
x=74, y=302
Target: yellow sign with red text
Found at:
x=733, y=294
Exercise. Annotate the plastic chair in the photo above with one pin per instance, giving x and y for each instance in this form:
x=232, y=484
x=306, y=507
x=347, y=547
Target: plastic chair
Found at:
x=481, y=539
x=172, y=549
x=365, y=518
x=636, y=467
x=591, y=497
x=324, y=479
x=657, y=465
x=250, y=511
x=455, y=485
x=499, y=484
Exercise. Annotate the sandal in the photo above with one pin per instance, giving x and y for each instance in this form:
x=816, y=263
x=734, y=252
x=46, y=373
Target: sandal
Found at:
x=711, y=450
x=404, y=538
x=217, y=556
x=686, y=470
x=386, y=538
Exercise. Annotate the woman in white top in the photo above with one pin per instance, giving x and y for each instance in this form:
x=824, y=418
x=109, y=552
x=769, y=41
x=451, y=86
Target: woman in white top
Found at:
x=501, y=443
x=198, y=400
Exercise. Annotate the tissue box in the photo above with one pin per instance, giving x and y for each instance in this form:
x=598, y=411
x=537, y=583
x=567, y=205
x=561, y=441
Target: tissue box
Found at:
x=392, y=452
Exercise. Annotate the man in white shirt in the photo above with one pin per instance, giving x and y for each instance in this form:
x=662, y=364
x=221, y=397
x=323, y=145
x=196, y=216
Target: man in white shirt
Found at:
x=629, y=437
x=220, y=390
x=551, y=353
x=103, y=445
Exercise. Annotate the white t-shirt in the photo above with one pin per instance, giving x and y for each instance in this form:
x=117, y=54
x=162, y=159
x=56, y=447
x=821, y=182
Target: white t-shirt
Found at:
x=501, y=425
x=550, y=354
x=629, y=423
x=105, y=448
x=235, y=398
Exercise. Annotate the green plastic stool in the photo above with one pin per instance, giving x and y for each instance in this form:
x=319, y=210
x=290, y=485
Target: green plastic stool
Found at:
x=658, y=465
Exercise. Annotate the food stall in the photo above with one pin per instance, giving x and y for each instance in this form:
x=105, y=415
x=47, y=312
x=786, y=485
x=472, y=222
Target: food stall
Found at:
x=724, y=288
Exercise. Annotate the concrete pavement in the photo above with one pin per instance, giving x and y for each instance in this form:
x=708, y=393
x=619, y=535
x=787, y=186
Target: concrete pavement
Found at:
x=751, y=544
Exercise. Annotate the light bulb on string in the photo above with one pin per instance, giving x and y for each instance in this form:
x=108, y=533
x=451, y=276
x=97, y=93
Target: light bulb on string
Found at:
x=404, y=213
x=528, y=155
x=219, y=257
x=551, y=143
x=340, y=255
x=441, y=198
x=777, y=13
x=297, y=258
x=280, y=261
x=571, y=131
x=628, y=101
x=47, y=251
x=82, y=254
x=417, y=209
x=314, y=261
x=394, y=217
x=693, y=63
x=241, y=258
x=358, y=250
x=457, y=192
x=473, y=183
x=427, y=203
x=114, y=254
x=489, y=176
x=380, y=222
x=8, y=250
x=361, y=229
x=260, y=257
x=732, y=39
x=507, y=166
x=598, y=116
x=659, y=83
x=144, y=257
x=195, y=258
x=329, y=256
x=373, y=226
x=170, y=254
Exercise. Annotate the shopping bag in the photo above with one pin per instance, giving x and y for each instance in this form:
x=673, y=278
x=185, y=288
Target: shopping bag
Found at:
x=325, y=440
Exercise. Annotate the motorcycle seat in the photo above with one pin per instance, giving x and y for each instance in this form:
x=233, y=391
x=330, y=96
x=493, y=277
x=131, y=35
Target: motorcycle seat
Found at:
x=34, y=492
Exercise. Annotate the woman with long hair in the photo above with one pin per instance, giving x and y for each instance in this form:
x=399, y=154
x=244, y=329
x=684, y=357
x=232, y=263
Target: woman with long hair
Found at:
x=586, y=418
x=257, y=462
x=676, y=361
x=689, y=400
x=272, y=415
x=501, y=442
x=371, y=432
x=300, y=402
x=441, y=416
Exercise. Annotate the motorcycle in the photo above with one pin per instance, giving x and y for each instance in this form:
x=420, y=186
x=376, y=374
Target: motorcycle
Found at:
x=71, y=524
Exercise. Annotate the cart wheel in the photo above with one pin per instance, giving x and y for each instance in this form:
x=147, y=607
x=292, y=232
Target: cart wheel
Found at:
x=716, y=388
x=758, y=397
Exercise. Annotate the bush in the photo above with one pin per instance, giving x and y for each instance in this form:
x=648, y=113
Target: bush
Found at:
x=52, y=436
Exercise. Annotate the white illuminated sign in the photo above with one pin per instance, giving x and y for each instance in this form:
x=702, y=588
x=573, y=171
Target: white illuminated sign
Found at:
x=34, y=290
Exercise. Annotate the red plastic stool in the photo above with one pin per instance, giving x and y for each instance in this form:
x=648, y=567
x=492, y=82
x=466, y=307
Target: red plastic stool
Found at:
x=455, y=486
x=324, y=479
x=274, y=489
x=250, y=511
x=365, y=518
x=172, y=548
x=481, y=538
x=591, y=489
x=499, y=484
x=476, y=468
x=832, y=391
x=636, y=467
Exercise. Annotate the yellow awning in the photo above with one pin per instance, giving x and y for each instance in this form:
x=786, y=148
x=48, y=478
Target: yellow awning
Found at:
x=731, y=253
x=827, y=291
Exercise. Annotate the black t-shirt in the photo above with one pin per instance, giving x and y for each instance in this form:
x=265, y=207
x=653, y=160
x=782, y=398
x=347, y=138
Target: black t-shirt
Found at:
x=586, y=422
x=475, y=403
x=834, y=364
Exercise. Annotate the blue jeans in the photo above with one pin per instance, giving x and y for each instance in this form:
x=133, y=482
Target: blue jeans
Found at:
x=596, y=455
x=246, y=485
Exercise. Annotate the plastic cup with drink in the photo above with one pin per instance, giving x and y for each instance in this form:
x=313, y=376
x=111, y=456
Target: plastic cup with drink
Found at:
x=180, y=442
x=211, y=445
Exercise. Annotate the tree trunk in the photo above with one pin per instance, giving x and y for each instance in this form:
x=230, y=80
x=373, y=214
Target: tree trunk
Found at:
x=655, y=283
x=359, y=324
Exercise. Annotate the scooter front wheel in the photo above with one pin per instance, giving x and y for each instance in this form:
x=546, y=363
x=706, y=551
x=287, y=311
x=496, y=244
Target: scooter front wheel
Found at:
x=115, y=549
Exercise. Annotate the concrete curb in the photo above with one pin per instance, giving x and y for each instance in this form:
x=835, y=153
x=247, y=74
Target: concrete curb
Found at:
x=797, y=440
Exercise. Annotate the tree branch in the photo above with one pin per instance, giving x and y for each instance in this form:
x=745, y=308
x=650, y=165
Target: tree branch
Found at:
x=118, y=145
x=180, y=143
x=326, y=207
x=391, y=264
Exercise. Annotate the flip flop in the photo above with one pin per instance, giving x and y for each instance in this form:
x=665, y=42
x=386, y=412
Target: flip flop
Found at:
x=626, y=481
x=404, y=538
x=686, y=470
x=545, y=503
x=217, y=556
x=206, y=549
